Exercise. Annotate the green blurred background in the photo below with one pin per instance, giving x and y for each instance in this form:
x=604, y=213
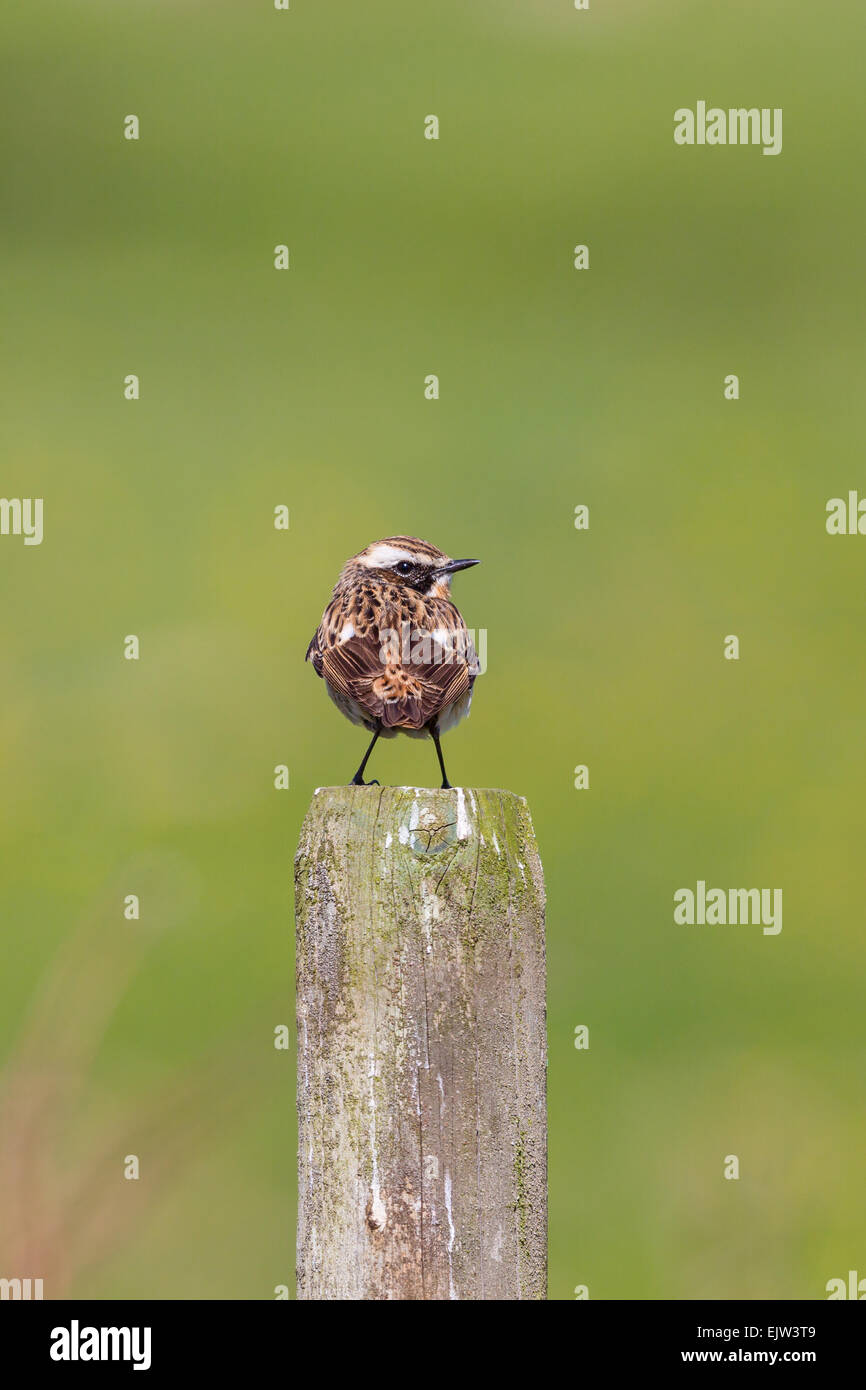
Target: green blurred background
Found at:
x=558, y=387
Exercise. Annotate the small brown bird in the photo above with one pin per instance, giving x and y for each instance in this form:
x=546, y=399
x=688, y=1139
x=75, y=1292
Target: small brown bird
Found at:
x=392, y=648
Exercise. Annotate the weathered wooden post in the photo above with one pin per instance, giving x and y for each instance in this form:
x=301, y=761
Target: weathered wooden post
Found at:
x=421, y=1046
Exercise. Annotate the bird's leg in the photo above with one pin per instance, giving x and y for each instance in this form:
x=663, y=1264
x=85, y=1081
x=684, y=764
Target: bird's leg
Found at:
x=434, y=734
x=358, y=779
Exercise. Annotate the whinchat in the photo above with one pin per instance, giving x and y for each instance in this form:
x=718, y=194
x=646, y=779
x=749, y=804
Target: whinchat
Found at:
x=392, y=647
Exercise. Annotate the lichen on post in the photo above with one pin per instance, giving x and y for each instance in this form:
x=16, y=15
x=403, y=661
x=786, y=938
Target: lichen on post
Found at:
x=421, y=1046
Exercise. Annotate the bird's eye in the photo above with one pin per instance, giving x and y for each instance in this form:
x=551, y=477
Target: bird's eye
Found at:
x=403, y=567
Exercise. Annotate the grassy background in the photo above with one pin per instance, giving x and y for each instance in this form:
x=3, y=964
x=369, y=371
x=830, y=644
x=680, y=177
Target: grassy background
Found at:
x=605, y=647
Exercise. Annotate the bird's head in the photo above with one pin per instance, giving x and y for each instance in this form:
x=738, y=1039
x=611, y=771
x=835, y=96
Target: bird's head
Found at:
x=409, y=563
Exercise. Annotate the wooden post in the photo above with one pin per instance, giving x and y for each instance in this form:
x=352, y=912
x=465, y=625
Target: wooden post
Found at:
x=422, y=1143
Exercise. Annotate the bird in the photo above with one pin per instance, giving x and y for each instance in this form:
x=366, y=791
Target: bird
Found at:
x=392, y=647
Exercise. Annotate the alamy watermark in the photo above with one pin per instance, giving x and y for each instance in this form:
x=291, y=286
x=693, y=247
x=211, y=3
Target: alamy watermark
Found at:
x=440, y=646
x=846, y=516
x=23, y=1289
x=740, y=125
x=719, y=907
x=77, y=1343
x=22, y=516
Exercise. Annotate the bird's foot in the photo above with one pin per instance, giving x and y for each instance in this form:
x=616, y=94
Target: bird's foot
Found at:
x=359, y=782
x=446, y=786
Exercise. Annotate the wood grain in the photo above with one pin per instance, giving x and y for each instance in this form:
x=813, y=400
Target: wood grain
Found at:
x=421, y=1046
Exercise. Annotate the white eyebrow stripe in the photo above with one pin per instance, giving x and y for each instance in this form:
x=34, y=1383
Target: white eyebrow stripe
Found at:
x=385, y=556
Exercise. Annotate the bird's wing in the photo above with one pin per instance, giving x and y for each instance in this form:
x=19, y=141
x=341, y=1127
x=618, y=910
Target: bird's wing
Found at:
x=314, y=653
x=403, y=681
x=326, y=634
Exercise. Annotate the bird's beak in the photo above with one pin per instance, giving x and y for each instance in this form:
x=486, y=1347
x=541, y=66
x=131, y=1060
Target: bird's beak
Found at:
x=454, y=565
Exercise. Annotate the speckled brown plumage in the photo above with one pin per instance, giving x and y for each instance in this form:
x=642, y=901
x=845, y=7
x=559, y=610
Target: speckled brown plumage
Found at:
x=392, y=647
